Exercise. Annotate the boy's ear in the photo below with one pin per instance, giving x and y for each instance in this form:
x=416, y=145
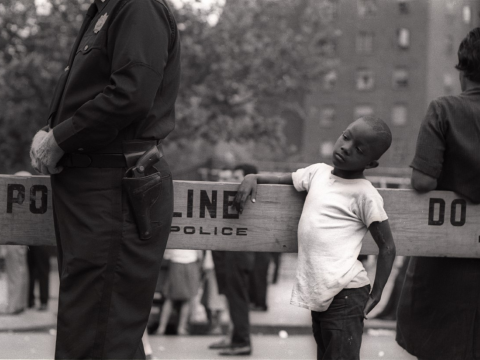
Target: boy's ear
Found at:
x=372, y=165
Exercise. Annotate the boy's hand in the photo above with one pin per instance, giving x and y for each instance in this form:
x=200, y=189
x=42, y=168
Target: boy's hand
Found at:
x=371, y=303
x=247, y=188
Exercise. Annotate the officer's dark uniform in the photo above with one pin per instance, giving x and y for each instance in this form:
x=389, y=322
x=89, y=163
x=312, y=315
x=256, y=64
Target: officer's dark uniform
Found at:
x=120, y=85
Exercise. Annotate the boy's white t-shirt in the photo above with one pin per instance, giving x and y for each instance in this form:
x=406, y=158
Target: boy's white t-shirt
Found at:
x=335, y=218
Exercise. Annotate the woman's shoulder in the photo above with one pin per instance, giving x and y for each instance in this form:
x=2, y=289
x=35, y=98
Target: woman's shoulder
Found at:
x=449, y=101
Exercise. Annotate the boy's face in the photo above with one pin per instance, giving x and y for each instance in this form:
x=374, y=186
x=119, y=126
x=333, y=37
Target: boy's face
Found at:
x=357, y=148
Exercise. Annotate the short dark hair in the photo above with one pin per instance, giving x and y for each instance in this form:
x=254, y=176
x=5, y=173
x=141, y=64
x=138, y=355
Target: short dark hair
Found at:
x=381, y=129
x=469, y=56
x=247, y=169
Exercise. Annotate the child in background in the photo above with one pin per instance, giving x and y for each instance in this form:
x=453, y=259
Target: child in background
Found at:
x=182, y=284
x=340, y=207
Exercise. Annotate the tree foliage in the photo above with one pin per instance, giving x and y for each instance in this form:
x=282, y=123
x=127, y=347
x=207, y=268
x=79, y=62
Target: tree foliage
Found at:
x=243, y=78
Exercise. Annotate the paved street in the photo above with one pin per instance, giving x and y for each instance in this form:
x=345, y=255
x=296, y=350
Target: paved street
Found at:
x=41, y=345
x=30, y=335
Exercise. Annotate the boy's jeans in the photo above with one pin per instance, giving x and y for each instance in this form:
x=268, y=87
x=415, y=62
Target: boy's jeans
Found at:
x=338, y=330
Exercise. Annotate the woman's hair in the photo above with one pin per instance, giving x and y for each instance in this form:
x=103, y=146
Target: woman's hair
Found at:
x=469, y=55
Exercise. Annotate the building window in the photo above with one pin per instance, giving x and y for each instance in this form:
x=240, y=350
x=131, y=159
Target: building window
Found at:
x=400, y=78
x=327, y=45
x=362, y=110
x=364, y=43
x=331, y=10
x=399, y=115
x=450, y=7
x=327, y=116
x=365, y=80
x=404, y=6
x=467, y=14
x=403, y=38
x=330, y=80
x=367, y=8
x=326, y=149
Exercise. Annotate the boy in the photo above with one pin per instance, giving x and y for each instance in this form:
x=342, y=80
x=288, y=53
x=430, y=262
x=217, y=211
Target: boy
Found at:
x=340, y=207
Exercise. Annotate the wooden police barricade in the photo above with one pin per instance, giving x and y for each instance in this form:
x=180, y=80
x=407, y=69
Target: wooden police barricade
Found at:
x=438, y=223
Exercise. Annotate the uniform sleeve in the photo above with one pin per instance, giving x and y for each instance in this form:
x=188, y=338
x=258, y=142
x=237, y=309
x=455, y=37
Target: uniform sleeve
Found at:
x=371, y=208
x=138, y=41
x=430, y=143
x=302, y=178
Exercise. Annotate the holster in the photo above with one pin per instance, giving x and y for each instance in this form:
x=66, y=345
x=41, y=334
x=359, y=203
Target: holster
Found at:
x=143, y=192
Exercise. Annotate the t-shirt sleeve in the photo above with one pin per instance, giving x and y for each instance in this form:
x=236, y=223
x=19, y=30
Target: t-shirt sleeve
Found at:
x=371, y=208
x=302, y=178
x=430, y=143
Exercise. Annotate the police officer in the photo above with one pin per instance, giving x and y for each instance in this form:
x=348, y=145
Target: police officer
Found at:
x=114, y=101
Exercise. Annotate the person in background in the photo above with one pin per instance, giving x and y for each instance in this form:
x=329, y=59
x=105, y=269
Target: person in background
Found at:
x=13, y=287
x=182, y=284
x=259, y=281
x=212, y=300
x=38, y=258
x=438, y=316
x=233, y=269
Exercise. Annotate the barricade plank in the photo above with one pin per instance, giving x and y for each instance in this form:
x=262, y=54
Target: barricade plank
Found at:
x=438, y=223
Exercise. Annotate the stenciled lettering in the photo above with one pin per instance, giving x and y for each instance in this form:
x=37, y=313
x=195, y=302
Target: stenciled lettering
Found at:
x=189, y=230
x=203, y=233
x=12, y=199
x=227, y=231
x=190, y=203
x=227, y=203
x=458, y=212
x=463, y=212
x=43, y=190
x=431, y=212
x=205, y=203
x=212, y=231
x=242, y=232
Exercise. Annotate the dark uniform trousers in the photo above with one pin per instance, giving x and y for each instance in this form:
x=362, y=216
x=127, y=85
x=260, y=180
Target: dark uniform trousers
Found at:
x=107, y=274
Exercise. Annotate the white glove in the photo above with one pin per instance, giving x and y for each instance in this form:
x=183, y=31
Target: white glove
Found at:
x=48, y=154
x=37, y=140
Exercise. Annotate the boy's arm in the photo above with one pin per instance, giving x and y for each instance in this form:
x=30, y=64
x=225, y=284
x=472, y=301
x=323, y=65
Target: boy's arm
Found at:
x=382, y=235
x=248, y=187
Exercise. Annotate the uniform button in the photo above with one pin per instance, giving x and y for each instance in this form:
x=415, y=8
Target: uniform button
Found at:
x=86, y=47
x=346, y=297
x=67, y=68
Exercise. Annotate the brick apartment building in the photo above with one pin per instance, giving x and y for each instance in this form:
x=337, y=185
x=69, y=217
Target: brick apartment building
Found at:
x=393, y=58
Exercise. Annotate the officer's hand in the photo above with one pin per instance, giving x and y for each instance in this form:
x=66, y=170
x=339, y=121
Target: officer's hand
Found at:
x=37, y=140
x=371, y=303
x=48, y=154
x=247, y=188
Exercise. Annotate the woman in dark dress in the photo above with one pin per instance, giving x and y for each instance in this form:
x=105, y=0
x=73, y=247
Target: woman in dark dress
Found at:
x=439, y=311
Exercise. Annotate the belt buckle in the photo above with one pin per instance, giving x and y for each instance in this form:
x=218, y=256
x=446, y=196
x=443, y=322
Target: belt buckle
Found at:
x=80, y=160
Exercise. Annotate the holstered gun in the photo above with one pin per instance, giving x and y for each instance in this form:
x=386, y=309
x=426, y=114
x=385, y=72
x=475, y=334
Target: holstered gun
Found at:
x=142, y=183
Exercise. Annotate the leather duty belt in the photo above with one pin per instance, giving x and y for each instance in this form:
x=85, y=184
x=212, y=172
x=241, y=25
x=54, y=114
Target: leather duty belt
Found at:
x=94, y=160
